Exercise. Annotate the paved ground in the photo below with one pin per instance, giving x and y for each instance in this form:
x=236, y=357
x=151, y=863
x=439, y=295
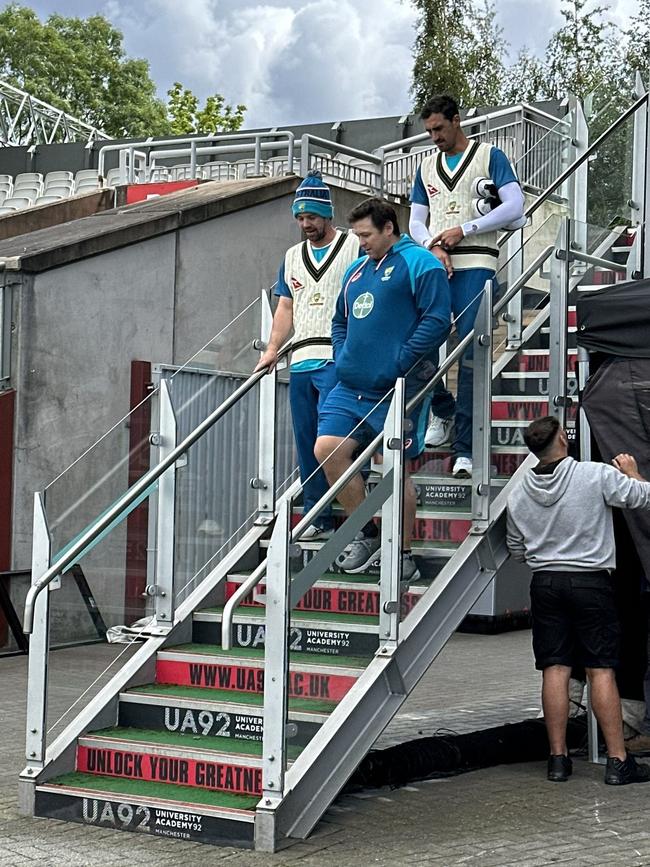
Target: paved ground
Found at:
x=499, y=817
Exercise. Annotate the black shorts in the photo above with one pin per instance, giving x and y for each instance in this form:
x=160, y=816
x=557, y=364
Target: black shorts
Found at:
x=574, y=619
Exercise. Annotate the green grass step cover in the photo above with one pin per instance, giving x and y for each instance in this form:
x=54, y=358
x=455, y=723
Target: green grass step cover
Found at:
x=232, y=746
x=256, y=655
x=217, y=695
x=144, y=789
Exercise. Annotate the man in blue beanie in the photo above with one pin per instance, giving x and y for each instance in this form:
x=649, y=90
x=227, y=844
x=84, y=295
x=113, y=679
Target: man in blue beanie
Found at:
x=308, y=286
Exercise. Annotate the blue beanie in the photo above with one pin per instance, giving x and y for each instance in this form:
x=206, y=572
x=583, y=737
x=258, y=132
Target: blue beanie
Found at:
x=313, y=196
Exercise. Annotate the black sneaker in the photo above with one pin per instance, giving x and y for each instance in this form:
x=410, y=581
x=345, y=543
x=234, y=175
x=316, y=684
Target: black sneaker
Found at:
x=618, y=773
x=559, y=768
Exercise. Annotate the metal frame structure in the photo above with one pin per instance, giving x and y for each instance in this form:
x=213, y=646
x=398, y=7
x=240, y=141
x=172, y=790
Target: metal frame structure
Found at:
x=26, y=120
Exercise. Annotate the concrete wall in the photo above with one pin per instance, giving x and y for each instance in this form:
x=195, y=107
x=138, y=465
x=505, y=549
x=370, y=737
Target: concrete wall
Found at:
x=79, y=326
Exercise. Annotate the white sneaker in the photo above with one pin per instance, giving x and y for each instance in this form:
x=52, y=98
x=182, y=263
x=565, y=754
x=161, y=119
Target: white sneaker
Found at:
x=438, y=432
x=462, y=468
x=313, y=532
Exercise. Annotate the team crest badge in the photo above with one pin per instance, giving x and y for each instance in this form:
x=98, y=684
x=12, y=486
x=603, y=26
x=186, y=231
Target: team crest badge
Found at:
x=453, y=208
x=432, y=191
x=296, y=284
x=387, y=273
x=363, y=305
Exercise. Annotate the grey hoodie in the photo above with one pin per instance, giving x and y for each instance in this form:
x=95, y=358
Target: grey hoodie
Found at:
x=564, y=520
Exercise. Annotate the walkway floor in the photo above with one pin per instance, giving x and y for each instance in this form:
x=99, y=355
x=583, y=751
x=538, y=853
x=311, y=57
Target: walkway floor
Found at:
x=493, y=818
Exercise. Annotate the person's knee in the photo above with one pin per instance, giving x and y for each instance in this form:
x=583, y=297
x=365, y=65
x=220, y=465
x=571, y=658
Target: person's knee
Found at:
x=600, y=675
x=331, y=453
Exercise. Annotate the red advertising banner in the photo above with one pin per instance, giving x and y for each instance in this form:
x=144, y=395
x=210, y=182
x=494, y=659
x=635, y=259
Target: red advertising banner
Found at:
x=142, y=192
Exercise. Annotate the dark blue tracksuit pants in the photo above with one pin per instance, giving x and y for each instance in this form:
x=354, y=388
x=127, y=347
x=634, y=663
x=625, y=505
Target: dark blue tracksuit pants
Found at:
x=307, y=391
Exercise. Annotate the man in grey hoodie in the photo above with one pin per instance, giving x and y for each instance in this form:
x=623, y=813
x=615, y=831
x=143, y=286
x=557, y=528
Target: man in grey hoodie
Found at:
x=560, y=524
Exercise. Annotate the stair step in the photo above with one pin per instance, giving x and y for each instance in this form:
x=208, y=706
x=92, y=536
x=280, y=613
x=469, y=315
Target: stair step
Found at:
x=167, y=757
x=314, y=633
x=530, y=383
x=443, y=527
x=241, y=670
x=523, y=407
x=537, y=360
x=157, y=809
x=189, y=710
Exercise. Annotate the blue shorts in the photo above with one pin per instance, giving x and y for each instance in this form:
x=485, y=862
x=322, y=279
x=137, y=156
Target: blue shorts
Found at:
x=343, y=409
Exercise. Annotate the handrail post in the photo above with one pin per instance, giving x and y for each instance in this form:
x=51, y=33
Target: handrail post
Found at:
x=276, y=673
x=163, y=590
x=37, y=678
x=257, y=158
x=265, y=481
x=560, y=277
x=482, y=402
x=641, y=178
x=578, y=183
x=515, y=269
x=392, y=522
x=193, y=158
x=290, y=151
x=304, y=155
x=6, y=303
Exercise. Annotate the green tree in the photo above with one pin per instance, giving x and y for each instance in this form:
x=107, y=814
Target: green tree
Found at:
x=581, y=56
x=637, y=50
x=80, y=66
x=525, y=80
x=215, y=116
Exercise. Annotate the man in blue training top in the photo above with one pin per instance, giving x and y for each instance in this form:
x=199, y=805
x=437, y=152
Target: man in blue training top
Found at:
x=393, y=310
x=308, y=285
x=445, y=193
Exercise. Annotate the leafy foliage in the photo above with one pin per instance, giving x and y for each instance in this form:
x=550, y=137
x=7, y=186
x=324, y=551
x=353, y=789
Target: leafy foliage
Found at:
x=215, y=116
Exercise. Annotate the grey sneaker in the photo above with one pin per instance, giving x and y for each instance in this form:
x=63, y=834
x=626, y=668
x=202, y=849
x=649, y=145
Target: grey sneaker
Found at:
x=359, y=554
x=410, y=572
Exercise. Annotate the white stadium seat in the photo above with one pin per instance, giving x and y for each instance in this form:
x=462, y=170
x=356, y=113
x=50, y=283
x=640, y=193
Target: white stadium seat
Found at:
x=59, y=192
x=28, y=178
x=27, y=191
x=16, y=203
x=48, y=199
x=59, y=179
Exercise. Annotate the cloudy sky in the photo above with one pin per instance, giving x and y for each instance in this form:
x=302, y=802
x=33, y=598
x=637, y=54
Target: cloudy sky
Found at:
x=293, y=61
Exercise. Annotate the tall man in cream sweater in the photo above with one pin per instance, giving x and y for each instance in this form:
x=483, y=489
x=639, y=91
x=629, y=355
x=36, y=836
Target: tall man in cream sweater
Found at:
x=308, y=285
x=560, y=524
x=466, y=243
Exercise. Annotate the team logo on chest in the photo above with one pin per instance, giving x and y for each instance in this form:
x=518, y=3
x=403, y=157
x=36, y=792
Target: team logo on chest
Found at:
x=363, y=305
x=432, y=191
x=453, y=208
x=387, y=273
x=296, y=284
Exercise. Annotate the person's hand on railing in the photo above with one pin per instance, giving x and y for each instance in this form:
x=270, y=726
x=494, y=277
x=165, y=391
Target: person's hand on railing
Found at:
x=269, y=358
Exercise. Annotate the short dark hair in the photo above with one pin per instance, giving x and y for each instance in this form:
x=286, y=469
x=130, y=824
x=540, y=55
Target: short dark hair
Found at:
x=539, y=434
x=379, y=211
x=445, y=105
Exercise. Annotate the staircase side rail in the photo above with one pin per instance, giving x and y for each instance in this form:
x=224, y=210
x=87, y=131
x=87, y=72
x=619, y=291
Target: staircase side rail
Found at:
x=324, y=766
x=593, y=147
x=193, y=142
x=139, y=489
x=256, y=576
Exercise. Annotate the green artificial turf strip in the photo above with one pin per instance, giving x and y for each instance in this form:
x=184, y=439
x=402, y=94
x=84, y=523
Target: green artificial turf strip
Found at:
x=223, y=695
x=143, y=788
x=256, y=655
x=232, y=746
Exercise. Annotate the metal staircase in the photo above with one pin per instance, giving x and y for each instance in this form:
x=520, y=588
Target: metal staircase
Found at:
x=264, y=676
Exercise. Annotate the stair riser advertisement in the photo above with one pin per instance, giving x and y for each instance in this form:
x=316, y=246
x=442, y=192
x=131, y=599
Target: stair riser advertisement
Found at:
x=302, y=684
x=335, y=600
x=203, y=723
x=144, y=819
x=524, y=410
x=178, y=771
x=540, y=363
x=328, y=642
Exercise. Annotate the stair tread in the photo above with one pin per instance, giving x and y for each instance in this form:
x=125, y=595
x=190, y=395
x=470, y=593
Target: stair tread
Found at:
x=164, y=791
x=228, y=697
x=340, y=618
x=160, y=737
x=256, y=655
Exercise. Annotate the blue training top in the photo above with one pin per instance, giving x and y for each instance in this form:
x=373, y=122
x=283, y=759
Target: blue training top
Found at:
x=388, y=315
x=501, y=173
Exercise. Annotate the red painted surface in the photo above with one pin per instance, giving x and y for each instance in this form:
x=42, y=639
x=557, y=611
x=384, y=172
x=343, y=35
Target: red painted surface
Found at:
x=204, y=774
x=142, y=192
x=524, y=410
x=242, y=678
x=337, y=600
x=138, y=521
x=7, y=407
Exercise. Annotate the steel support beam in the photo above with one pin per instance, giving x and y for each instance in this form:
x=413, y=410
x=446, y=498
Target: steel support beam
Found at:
x=163, y=590
x=482, y=403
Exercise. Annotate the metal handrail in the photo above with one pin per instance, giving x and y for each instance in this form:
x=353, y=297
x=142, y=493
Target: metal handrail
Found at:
x=153, y=144
x=140, y=487
x=255, y=577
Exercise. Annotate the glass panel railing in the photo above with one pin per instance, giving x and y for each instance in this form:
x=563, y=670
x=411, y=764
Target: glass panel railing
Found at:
x=608, y=249
x=545, y=153
x=610, y=168
x=93, y=482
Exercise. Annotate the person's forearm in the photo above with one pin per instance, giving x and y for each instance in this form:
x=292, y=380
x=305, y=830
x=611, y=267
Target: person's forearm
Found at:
x=510, y=209
x=282, y=325
x=418, y=224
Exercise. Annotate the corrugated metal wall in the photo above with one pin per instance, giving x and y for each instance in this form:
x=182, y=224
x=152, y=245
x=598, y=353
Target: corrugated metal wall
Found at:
x=213, y=494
